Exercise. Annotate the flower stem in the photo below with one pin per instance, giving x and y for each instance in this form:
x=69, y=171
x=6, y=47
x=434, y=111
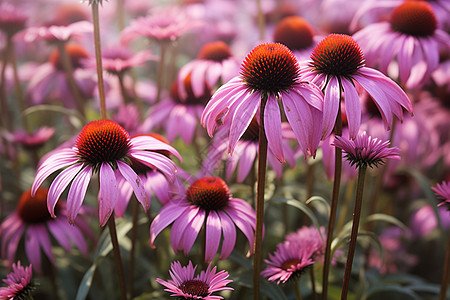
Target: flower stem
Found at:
x=98, y=58
x=261, y=183
x=354, y=234
x=160, y=78
x=313, y=282
x=123, y=90
x=298, y=294
x=68, y=70
x=446, y=272
x=117, y=257
x=261, y=22
x=333, y=207
x=135, y=207
x=120, y=12
x=3, y=98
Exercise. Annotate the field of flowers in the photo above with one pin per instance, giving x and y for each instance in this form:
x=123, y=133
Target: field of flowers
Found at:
x=214, y=149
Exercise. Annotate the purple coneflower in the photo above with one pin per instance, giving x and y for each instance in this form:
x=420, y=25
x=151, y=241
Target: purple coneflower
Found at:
x=245, y=153
x=270, y=71
x=102, y=146
x=208, y=200
x=12, y=19
x=32, y=220
x=442, y=191
x=288, y=261
x=185, y=286
x=118, y=60
x=365, y=150
x=215, y=65
x=57, y=33
x=19, y=283
x=33, y=140
x=336, y=65
x=412, y=36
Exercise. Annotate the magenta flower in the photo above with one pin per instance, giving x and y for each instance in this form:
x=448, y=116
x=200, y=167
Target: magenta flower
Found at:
x=365, y=150
x=33, y=140
x=245, y=153
x=207, y=200
x=102, y=146
x=288, y=261
x=19, y=283
x=32, y=221
x=410, y=39
x=165, y=25
x=442, y=191
x=12, y=19
x=269, y=71
x=336, y=66
x=57, y=33
x=185, y=286
x=215, y=65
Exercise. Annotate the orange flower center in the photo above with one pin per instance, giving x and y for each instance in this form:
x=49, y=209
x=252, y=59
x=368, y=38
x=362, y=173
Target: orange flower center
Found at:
x=217, y=51
x=76, y=54
x=34, y=209
x=294, y=32
x=414, y=18
x=209, y=193
x=191, y=99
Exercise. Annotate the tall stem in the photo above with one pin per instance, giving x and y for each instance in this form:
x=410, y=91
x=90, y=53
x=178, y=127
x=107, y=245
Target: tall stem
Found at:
x=161, y=65
x=446, y=272
x=117, y=256
x=313, y=282
x=261, y=22
x=68, y=71
x=333, y=206
x=98, y=58
x=261, y=183
x=298, y=294
x=354, y=234
x=6, y=116
x=123, y=90
x=120, y=12
x=134, y=221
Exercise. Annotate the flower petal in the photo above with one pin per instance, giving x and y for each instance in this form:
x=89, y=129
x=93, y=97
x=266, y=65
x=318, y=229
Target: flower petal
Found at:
x=272, y=127
x=352, y=107
x=330, y=106
x=229, y=235
x=108, y=192
x=136, y=183
x=213, y=234
x=77, y=192
x=166, y=216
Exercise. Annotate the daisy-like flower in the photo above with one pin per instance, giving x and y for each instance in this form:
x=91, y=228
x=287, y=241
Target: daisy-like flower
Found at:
x=32, y=221
x=410, y=38
x=442, y=191
x=165, y=25
x=336, y=66
x=57, y=33
x=102, y=146
x=12, y=19
x=269, y=71
x=118, y=60
x=33, y=140
x=366, y=151
x=185, y=286
x=215, y=64
x=19, y=283
x=207, y=200
x=245, y=152
x=288, y=261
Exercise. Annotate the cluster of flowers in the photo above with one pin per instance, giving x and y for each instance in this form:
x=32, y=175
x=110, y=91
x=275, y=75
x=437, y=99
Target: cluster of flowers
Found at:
x=312, y=86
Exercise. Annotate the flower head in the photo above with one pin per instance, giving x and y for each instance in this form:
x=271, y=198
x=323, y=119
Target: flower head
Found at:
x=32, y=220
x=202, y=286
x=57, y=33
x=442, y=191
x=12, y=19
x=269, y=72
x=117, y=60
x=19, y=283
x=366, y=151
x=207, y=200
x=336, y=66
x=33, y=140
x=102, y=146
x=294, y=32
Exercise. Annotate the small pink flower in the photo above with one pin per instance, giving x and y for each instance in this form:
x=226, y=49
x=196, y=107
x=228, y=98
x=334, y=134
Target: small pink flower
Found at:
x=57, y=33
x=32, y=221
x=202, y=286
x=365, y=150
x=207, y=200
x=12, y=19
x=411, y=38
x=118, y=59
x=269, y=71
x=19, y=283
x=102, y=146
x=33, y=140
x=336, y=66
x=442, y=191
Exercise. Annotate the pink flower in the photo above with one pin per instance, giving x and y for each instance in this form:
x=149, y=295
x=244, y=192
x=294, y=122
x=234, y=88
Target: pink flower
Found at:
x=57, y=33
x=32, y=221
x=102, y=146
x=215, y=64
x=410, y=38
x=118, y=59
x=165, y=25
x=270, y=71
x=19, y=283
x=288, y=261
x=245, y=153
x=336, y=66
x=186, y=286
x=12, y=19
x=442, y=191
x=33, y=140
x=365, y=150
x=206, y=200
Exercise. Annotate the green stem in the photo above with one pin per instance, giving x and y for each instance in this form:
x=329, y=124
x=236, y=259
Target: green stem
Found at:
x=446, y=272
x=117, y=256
x=98, y=58
x=298, y=294
x=333, y=207
x=313, y=282
x=261, y=183
x=135, y=207
x=354, y=234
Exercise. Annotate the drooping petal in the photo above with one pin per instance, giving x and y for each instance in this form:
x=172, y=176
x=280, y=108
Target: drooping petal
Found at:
x=191, y=232
x=229, y=235
x=166, y=216
x=213, y=234
x=77, y=192
x=108, y=192
x=136, y=183
x=158, y=161
x=59, y=233
x=352, y=107
x=180, y=225
x=246, y=161
x=272, y=127
x=151, y=143
x=330, y=106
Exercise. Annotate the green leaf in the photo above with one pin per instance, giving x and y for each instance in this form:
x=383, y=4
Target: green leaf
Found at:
x=86, y=283
x=319, y=199
x=339, y=240
x=75, y=118
x=385, y=218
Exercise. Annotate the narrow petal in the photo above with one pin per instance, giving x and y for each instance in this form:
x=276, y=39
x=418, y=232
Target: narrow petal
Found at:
x=352, y=107
x=192, y=231
x=108, y=192
x=180, y=225
x=136, y=183
x=157, y=161
x=151, y=143
x=59, y=234
x=77, y=192
x=32, y=249
x=272, y=127
x=242, y=223
x=229, y=235
x=246, y=161
x=213, y=234
x=169, y=213
x=330, y=106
